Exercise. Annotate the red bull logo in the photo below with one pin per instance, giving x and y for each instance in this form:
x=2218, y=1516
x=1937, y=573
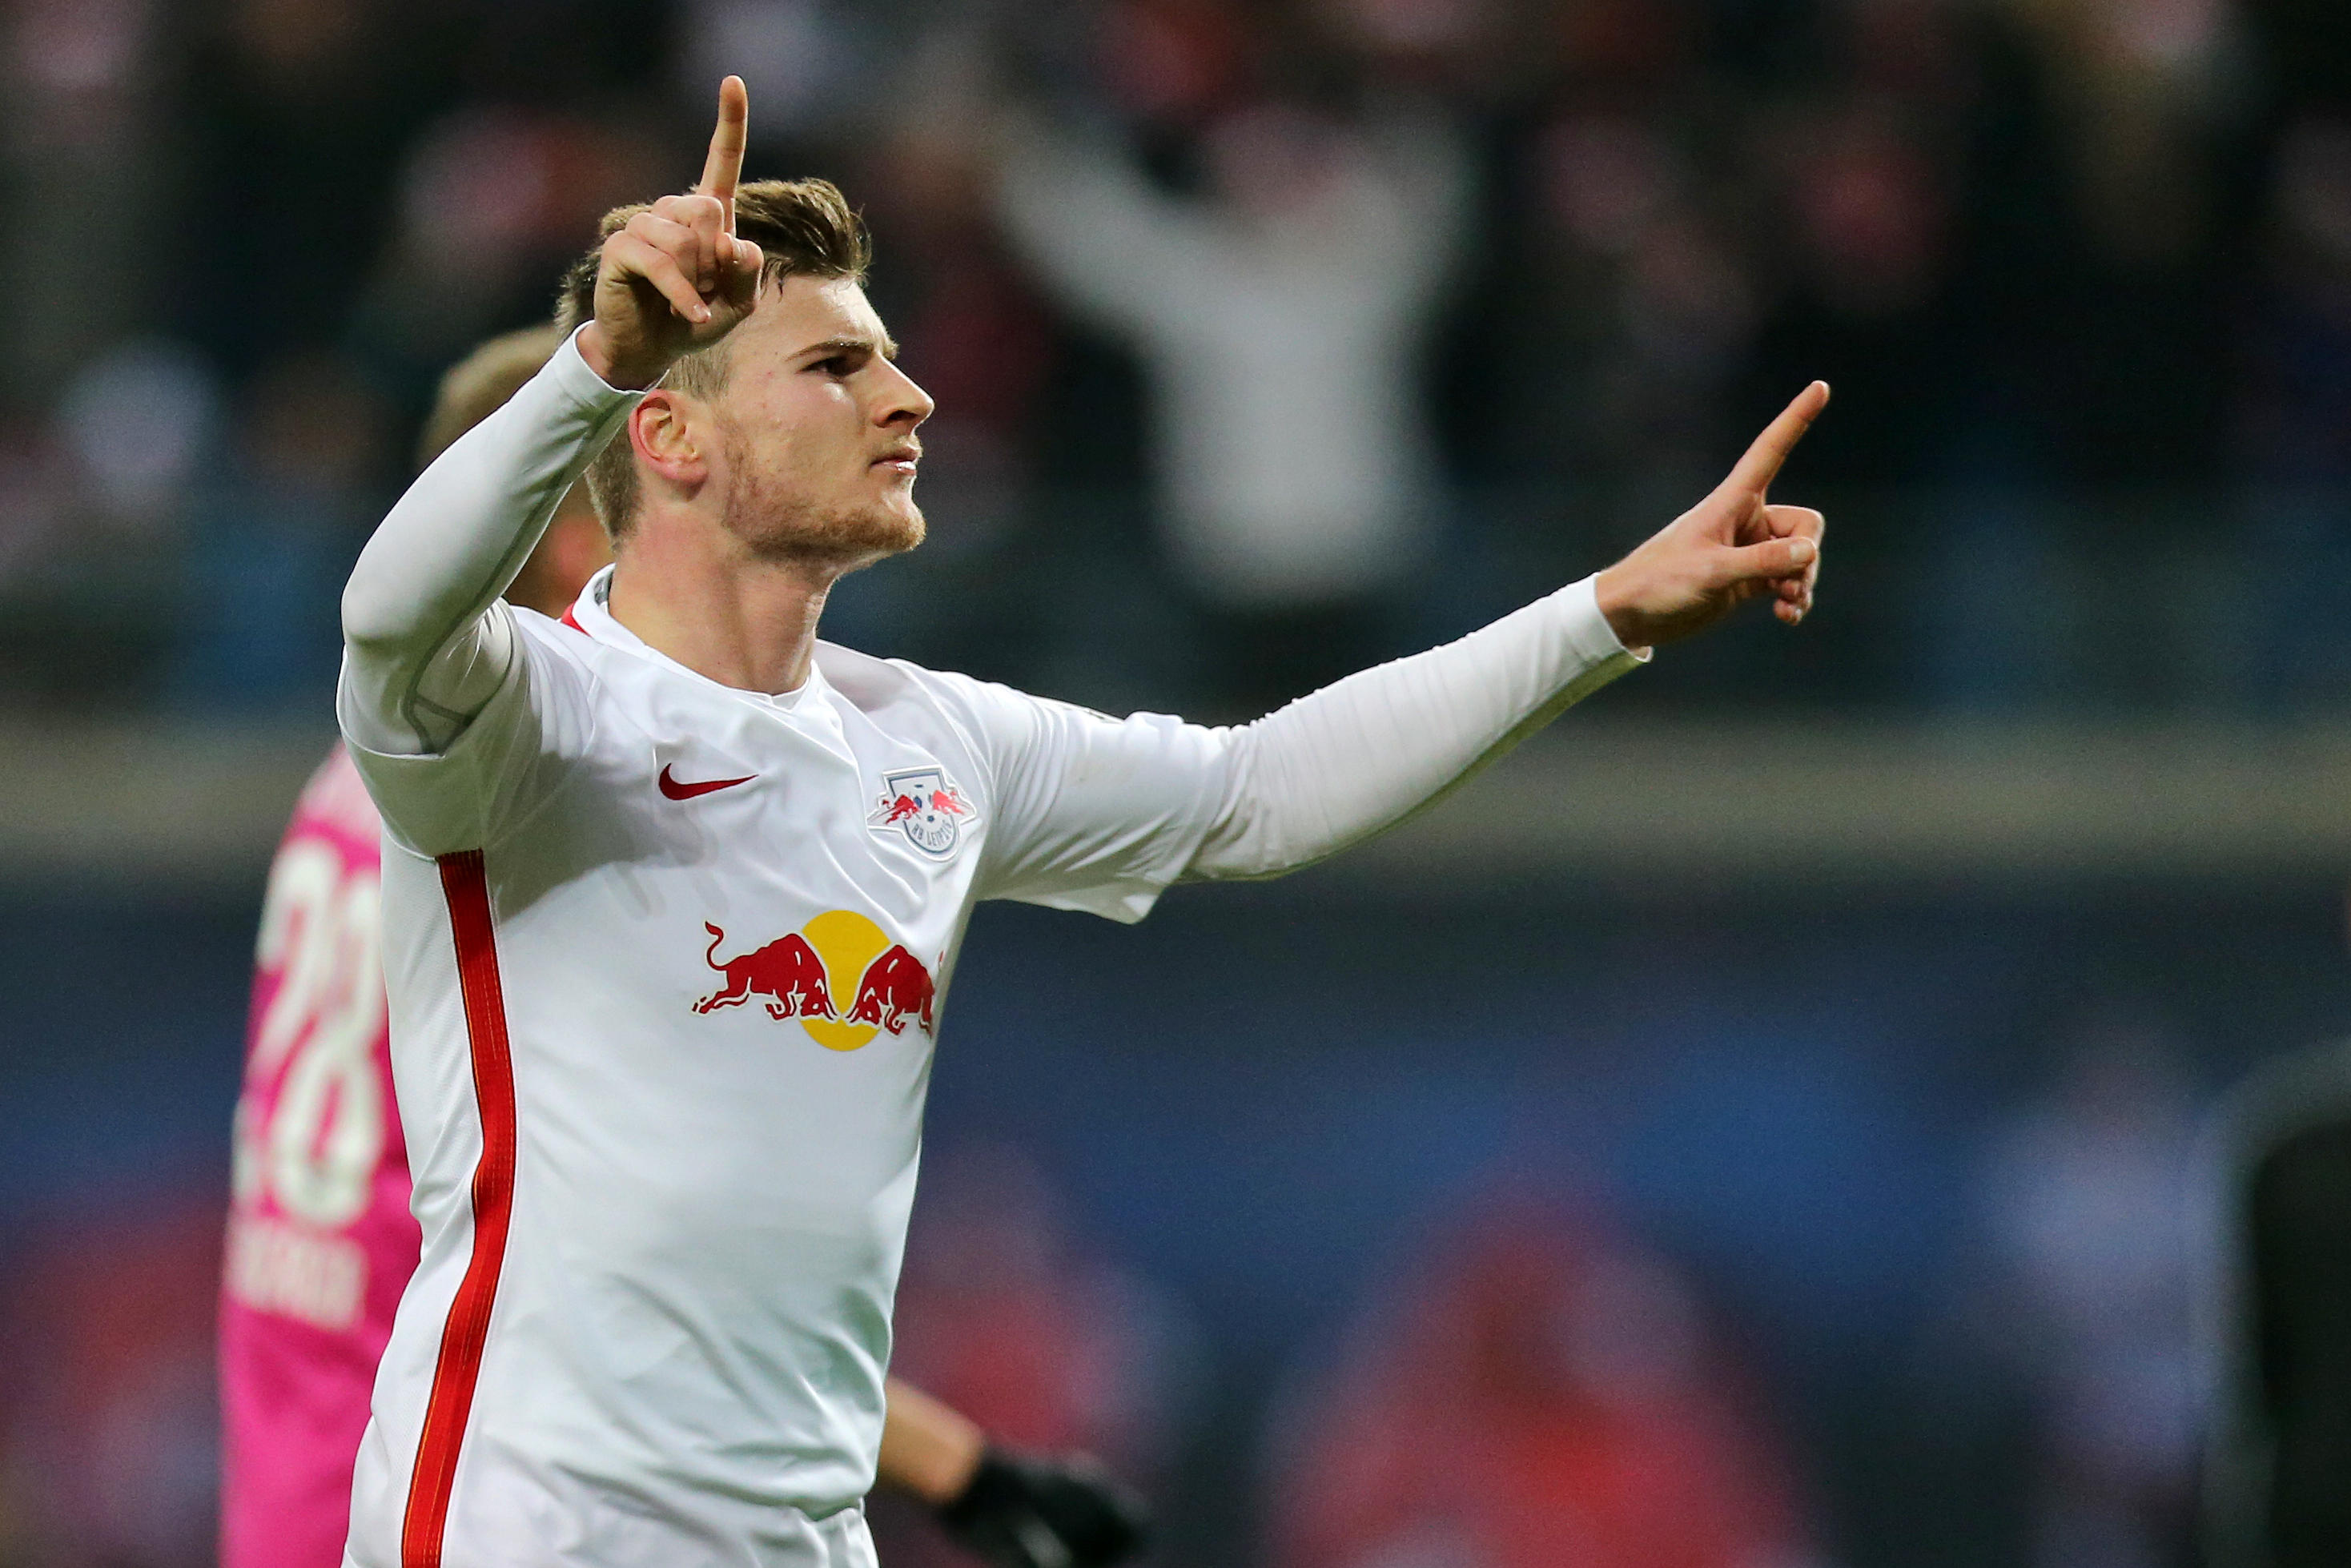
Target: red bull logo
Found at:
x=796, y=977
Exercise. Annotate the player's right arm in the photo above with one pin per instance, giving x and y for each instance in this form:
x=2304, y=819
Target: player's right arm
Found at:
x=428, y=646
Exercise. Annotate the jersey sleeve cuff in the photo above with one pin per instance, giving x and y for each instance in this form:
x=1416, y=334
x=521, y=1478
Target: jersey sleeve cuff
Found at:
x=1596, y=655
x=1588, y=629
x=570, y=369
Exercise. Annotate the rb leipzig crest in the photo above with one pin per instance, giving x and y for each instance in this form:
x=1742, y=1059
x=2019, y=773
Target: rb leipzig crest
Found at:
x=924, y=804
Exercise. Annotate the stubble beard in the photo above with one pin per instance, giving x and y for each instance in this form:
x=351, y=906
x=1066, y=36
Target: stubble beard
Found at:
x=779, y=526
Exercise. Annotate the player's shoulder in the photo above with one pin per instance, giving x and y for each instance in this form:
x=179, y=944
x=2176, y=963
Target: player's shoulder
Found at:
x=938, y=711
x=579, y=673
x=881, y=688
x=565, y=637
x=874, y=684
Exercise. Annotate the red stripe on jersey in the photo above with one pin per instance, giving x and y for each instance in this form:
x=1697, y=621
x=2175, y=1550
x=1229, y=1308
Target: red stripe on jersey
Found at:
x=572, y=620
x=467, y=891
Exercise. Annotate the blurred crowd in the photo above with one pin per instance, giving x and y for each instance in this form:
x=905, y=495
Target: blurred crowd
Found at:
x=1267, y=338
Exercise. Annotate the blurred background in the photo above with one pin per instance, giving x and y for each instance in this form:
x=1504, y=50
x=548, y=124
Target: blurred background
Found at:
x=1756, y=1125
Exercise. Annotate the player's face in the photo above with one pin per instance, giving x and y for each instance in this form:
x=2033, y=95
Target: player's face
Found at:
x=816, y=427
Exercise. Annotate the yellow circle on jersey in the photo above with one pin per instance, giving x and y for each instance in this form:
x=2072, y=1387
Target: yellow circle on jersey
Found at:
x=848, y=943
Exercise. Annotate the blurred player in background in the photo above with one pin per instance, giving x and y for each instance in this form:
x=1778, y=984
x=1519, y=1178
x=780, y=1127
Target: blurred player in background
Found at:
x=1008, y=1316
x=666, y=1192
x=320, y=1239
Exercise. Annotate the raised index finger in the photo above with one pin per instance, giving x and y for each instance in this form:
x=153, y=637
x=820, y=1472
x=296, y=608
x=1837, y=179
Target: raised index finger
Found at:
x=1762, y=464
x=724, y=168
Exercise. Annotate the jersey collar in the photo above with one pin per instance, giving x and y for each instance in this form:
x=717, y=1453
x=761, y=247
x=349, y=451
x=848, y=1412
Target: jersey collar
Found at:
x=591, y=614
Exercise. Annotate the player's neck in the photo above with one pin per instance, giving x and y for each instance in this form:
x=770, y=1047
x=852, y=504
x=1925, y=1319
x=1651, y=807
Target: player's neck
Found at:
x=749, y=625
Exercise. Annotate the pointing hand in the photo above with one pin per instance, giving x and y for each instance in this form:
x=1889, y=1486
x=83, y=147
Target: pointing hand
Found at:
x=674, y=278
x=1732, y=546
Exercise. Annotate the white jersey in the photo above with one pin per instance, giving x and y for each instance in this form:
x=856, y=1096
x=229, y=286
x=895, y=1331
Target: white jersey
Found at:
x=663, y=1033
x=666, y=962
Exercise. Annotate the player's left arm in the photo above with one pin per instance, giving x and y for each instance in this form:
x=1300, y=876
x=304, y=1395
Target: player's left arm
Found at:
x=1358, y=756
x=1015, y=1510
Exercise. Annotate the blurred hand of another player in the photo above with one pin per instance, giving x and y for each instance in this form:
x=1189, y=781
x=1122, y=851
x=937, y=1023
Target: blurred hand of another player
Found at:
x=1024, y=1511
x=675, y=279
x=1732, y=546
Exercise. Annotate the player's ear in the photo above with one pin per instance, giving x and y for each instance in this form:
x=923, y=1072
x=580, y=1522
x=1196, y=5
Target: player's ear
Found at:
x=664, y=433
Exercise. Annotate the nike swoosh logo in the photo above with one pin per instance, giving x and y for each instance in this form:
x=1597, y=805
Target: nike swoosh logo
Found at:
x=677, y=791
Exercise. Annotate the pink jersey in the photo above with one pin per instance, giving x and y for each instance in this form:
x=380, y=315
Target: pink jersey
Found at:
x=320, y=1239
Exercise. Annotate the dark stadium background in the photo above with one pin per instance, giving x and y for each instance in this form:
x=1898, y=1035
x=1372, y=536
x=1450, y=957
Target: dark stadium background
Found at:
x=1819, y=972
